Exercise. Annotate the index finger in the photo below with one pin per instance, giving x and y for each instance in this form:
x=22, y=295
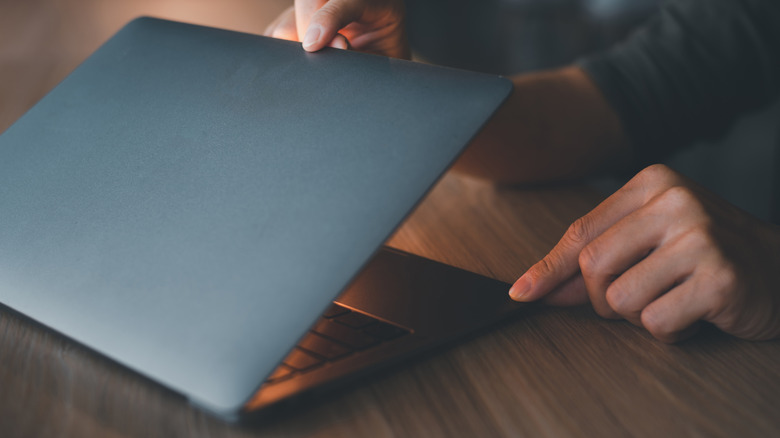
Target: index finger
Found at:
x=562, y=262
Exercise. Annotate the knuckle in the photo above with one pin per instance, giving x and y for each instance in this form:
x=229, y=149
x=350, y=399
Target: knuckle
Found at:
x=700, y=239
x=616, y=298
x=328, y=15
x=658, y=174
x=679, y=198
x=327, y=11
x=657, y=325
x=589, y=260
x=546, y=266
x=580, y=230
x=722, y=284
x=726, y=277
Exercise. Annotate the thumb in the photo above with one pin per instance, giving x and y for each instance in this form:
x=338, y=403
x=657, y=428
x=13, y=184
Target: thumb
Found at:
x=328, y=20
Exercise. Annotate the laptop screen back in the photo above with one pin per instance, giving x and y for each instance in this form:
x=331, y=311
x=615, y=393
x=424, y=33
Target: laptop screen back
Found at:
x=189, y=199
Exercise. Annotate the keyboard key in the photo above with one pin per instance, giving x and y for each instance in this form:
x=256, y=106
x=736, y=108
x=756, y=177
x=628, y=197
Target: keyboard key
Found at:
x=344, y=334
x=282, y=372
x=355, y=320
x=324, y=347
x=301, y=360
x=385, y=331
x=334, y=310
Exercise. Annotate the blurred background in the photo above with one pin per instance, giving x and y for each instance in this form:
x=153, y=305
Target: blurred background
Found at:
x=41, y=41
x=515, y=36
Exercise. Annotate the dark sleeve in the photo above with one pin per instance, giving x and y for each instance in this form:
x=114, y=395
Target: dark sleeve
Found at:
x=690, y=71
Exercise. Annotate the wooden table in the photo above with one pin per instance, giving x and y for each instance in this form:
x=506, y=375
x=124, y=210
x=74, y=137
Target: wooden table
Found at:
x=553, y=372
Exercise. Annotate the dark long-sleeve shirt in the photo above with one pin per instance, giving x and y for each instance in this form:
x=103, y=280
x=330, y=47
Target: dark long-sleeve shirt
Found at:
x=691, y=71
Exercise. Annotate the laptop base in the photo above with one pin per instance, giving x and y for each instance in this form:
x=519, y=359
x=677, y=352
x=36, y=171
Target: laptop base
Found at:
x=430, y=303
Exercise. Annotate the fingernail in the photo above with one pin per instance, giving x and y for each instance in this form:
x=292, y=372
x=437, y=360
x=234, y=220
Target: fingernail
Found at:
x=520, y=289
x=311, y=37
x=339, y=43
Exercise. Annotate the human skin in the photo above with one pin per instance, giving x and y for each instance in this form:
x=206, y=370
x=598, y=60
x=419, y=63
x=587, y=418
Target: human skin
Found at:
x=368, y=26
x=664, y=253
x=661, y=252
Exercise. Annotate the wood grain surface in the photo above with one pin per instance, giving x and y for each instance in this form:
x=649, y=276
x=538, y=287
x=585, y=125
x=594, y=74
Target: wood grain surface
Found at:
x=550, y=373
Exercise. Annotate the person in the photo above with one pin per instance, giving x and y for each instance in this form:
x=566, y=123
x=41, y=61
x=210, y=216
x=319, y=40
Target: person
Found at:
x=661, y=252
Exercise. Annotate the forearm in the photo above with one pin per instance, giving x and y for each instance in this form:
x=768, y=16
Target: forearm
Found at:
x=555, y=126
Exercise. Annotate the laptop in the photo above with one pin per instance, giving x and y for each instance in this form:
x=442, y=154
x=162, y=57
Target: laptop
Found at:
x=208, y=208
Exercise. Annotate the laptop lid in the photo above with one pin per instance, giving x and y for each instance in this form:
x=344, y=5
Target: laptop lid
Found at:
x=189, y=199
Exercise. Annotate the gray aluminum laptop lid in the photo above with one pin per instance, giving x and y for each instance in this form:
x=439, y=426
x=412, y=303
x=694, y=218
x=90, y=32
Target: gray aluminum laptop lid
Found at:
x=189, y=199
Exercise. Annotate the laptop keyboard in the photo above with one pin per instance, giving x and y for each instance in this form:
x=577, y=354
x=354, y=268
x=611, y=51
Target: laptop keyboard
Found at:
x=339, y=333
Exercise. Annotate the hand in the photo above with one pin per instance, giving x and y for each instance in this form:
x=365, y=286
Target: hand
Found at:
x=373, y=26
x=664, y=254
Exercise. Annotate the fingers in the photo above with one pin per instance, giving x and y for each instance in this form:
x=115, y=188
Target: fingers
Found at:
x=339, y=42
x=665, y=254
x=283, y=26
x=608, y=256
x=319, y=22
x=563, y=260
x=625, y=244
x=675, y=316
x=650, y=279
x=304, y=10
